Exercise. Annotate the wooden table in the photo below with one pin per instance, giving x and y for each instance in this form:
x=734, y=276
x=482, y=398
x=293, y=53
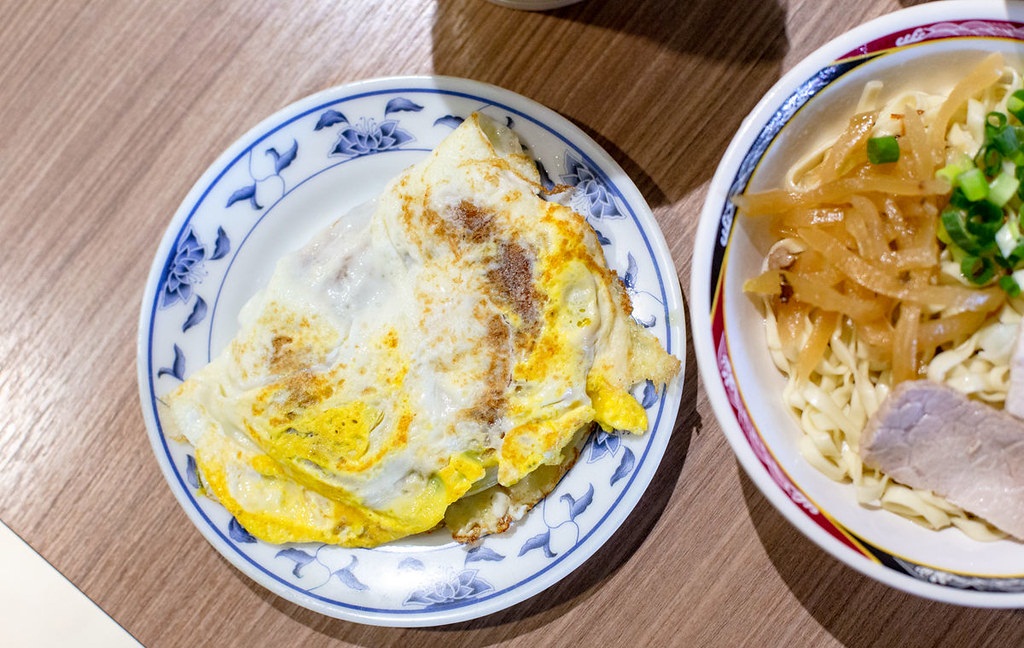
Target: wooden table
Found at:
x=110, y=111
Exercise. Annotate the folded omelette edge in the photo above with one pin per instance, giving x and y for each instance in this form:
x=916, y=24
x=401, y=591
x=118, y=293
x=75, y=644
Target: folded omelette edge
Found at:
x=467, y=330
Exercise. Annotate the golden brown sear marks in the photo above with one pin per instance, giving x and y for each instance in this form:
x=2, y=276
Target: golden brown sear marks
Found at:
x=511, y=269
x=296, y=392
x=483, y=236
x=474, y=222
x=304, y=345
x=477, y=531
x=278, y=348
x=512, y=275
x=491, y=406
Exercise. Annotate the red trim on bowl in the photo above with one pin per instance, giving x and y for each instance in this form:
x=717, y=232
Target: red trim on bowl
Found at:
x=940, y=31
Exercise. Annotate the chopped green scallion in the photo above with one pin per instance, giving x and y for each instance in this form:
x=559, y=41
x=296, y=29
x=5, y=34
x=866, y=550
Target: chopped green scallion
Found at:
x=883, y=150
x=954, y=221
x=977, y=270
x=1009, y=285
x=981, y=225
x=942, y=234
x=973, y=184
x=1016, y=256
x=983, y=221
x=994, y=121
x=1015, y=104
x=1007, y=239
x=1003, y=187
x=949, y=173
x=989, y=159
x=1005, y=141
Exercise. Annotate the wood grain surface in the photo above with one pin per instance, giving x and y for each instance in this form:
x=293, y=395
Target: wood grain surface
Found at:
x=109, y=112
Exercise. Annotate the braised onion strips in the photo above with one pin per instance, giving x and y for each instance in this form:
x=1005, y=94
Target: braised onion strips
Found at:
x=864, y=287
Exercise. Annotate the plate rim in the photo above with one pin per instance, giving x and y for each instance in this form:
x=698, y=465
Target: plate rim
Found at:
x=559, y=127
x=703, y=296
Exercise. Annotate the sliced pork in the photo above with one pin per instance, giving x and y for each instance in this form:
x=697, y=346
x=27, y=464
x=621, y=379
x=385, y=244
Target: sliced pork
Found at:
x=930, y=436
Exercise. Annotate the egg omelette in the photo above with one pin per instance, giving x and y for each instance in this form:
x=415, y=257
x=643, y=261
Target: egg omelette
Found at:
x=452, y=345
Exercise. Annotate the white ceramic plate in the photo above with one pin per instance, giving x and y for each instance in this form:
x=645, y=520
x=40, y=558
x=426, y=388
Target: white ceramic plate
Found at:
x=295, y=173
x=926, y=47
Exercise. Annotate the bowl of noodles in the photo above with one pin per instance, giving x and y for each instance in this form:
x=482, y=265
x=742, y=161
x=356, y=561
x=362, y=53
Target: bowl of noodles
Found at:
x=829, y=268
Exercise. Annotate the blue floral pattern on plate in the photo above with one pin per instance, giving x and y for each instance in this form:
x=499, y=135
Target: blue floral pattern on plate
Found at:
x=281, y=183
x=592, y=197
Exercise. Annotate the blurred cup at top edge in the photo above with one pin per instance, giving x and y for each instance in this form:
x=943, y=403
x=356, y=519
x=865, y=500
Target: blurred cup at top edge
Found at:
x=533, y=5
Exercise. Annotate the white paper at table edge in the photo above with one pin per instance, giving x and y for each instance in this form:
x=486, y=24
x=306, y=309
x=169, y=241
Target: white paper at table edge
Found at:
x=40, y=607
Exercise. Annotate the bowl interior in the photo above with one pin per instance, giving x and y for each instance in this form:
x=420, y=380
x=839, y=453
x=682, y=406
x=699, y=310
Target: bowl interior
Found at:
x=881, y=538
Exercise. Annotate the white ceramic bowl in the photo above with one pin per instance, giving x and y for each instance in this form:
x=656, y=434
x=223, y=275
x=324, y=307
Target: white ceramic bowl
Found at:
x=926, y=47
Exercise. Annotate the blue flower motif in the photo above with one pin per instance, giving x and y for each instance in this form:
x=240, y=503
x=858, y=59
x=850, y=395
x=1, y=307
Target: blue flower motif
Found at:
x=283, y=160
x=370, y=137
x=347, y=576
x=539, y=541
x=625, y=467
x=266, y=186
x=330, y=118
x=604, y=444
x=401, y=104
x=247, y=192
x=185, y=270
x=197, y=314
x=577, y=506
x=238, y=533
x=601, y=444
x=483, y=553
x=454, y=587
x=545, y=179
x=650, y=396
x=177, y=368
x=451, y=121
x=191, y=471
x=414, y=564
x=592, y=197
x=629, y=281
x=297, y=556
